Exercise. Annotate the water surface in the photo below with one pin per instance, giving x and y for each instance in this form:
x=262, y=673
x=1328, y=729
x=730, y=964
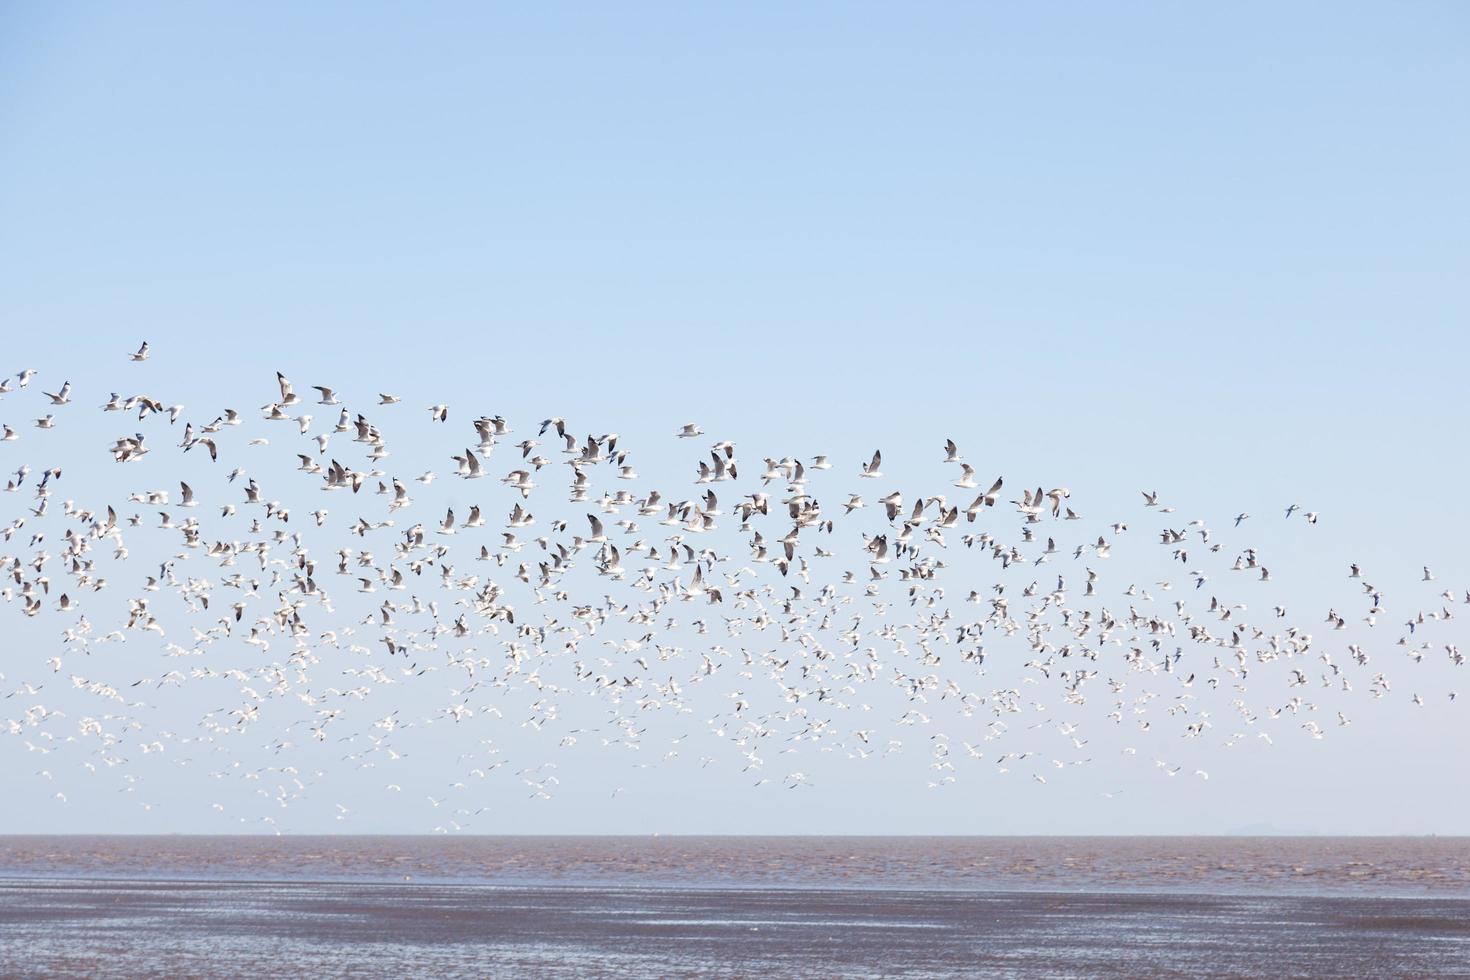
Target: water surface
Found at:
x=645, y=907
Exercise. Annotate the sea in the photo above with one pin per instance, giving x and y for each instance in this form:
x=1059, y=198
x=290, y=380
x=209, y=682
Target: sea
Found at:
x=763, y=907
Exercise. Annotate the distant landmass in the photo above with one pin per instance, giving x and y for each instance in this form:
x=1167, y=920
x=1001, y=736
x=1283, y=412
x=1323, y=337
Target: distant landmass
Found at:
x=1269, y=830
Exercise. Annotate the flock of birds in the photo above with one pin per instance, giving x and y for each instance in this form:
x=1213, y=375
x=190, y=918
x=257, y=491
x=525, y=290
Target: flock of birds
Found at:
x=763, y=610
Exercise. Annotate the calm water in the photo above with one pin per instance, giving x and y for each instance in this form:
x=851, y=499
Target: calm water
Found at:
x=396, y=906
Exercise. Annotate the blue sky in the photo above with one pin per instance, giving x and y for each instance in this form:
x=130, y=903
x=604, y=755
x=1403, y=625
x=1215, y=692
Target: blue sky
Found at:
x=1222, y=251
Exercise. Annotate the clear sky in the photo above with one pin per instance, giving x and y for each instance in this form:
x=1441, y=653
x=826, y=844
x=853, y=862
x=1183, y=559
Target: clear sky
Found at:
x=1219, y=250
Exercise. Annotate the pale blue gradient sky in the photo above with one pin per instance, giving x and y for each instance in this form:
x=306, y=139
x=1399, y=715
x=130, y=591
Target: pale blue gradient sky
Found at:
x=1221, y=251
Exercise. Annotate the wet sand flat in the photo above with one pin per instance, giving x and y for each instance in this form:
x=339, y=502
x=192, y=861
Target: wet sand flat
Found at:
x=99, y=927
